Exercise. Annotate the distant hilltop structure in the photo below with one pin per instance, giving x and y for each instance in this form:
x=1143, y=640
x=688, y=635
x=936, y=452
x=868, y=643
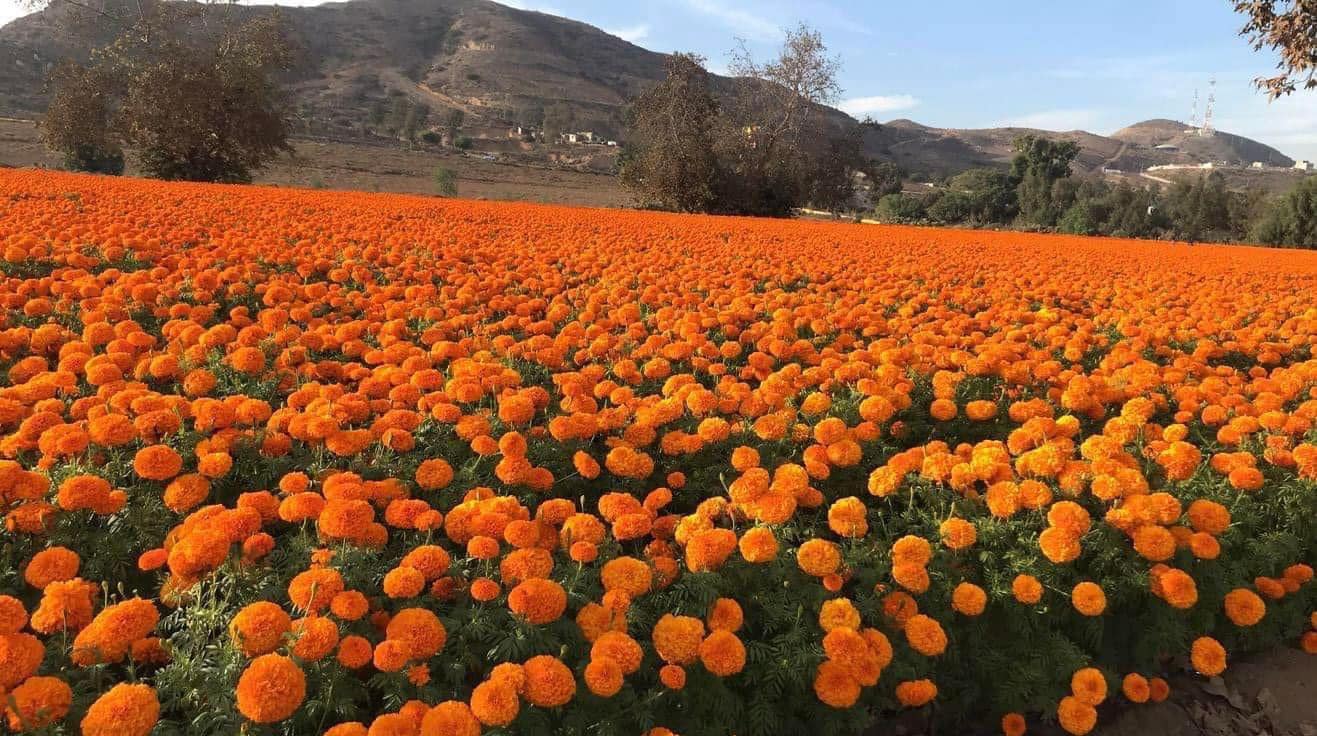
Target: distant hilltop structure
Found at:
x=1204, y=128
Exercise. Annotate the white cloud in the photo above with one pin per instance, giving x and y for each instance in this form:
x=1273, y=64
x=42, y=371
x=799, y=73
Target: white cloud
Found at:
x=861, y=106
x=1061, y=120
x=632, y=34
x=743, y=22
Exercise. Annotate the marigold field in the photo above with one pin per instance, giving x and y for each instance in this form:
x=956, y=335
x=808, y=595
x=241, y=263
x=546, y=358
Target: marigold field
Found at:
x=294, y=462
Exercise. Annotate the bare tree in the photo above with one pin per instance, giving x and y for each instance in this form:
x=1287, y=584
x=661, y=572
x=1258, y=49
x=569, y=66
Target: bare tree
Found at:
x=778, y=132
x=1289, y=27
x=791, y=87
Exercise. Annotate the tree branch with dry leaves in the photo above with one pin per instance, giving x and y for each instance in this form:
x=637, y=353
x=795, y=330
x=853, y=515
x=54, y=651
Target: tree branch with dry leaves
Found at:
x=1288, y=27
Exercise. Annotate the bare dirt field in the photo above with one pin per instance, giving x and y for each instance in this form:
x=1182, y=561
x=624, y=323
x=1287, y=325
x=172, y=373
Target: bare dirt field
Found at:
x=384, y=168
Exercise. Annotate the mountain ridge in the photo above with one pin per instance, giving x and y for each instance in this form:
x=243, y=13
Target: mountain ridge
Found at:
x=500, y=65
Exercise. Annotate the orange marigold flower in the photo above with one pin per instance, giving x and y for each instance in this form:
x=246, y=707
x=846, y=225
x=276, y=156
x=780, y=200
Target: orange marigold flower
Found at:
x=420, y=629
x=313, y=590
x=404, y=582
x=627, y=574
x=725, y=615
x=677, y=639
x=758, y=545
x=834, y=685
x=354, y=652
x=838, y=612
x=672, y=676
x=450, y=718
x=925, y=635
x=259, y=628
x=37, y=703
x=969, y=599
x=1089, y=599
x=1135, y=688
x=549, y=682
x=51, y=565
x=127, y=709
x=1177, y=588
x=603, y=677
x=314, y=637
x=1059, y=545
x=391, y=655
x=1208, y=656
x=912, y=550
x=722, y=653
x=1076, y=716
x=157, y=462
x=1027, y=589
x=495, y=703
x=916, y=693
x=271, y=689
x=958, y=534
x=1089, y=686
x=541, y=601
x=818, y=557
x=1244, y=607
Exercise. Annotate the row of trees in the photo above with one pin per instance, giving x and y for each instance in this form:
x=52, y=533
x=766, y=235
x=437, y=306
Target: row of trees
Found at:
x=766, y=149
x=1038, y=192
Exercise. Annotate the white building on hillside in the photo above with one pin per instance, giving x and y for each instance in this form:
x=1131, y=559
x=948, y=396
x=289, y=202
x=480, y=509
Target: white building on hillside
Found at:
x=1303, y=165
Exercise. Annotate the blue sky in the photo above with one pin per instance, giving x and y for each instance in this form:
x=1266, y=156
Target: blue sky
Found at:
x=1095, y=66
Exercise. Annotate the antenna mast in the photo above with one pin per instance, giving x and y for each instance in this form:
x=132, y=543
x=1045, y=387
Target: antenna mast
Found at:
x=1208, y=130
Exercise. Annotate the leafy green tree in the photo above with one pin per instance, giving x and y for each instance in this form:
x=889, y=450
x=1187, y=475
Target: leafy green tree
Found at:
x=378, y=113
x=559, y=118
x=1134, y=212
x=1038, y=164
x=951, y=208
x=832, y=172
x=1199, y=209
x=453, y=122
x=399, y=109
x=989, y=193
x=417, y=116
x=898, y=207
x=1292, y=219
x=445, y=182
x=885, y=178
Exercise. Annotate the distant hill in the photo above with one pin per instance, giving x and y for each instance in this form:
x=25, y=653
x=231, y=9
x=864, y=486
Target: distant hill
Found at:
x=494, y=63
x=1218, y=147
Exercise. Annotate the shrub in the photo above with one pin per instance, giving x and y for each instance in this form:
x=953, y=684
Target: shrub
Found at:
x=445, y=182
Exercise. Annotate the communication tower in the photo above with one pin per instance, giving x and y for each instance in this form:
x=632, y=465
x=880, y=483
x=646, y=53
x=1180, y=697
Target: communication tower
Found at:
x=1208, y=130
